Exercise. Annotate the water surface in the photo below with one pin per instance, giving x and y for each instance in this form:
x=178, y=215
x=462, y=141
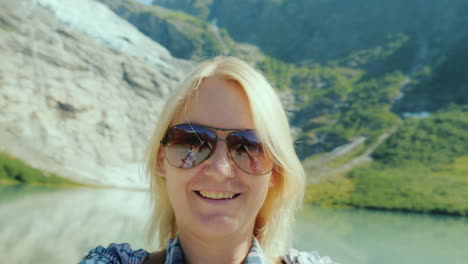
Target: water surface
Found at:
x=56, y=225
x=368, y=237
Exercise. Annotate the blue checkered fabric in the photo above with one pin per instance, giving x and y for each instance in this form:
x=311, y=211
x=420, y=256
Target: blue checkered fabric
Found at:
x=123, y=254
x=174, y=254
x=115, y=254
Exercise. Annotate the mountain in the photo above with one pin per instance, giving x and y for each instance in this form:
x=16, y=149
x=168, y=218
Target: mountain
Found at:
x=189, y=37
x=185, y=36
x=377, y=75
x=367, y=79
x=376, y=91
x=377, y=36
x=302, y=30
x=80, y=89
x=324, y=79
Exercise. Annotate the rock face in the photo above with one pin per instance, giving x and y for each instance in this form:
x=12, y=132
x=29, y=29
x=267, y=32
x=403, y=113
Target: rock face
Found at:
x=186, y=37
x=72, y=105
x=102, y=24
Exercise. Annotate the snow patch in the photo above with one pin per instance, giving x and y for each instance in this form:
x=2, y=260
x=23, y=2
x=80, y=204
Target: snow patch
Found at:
x=99, y=22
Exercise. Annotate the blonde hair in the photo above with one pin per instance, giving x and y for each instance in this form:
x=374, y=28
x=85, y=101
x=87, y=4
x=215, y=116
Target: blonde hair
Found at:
x=273, y=227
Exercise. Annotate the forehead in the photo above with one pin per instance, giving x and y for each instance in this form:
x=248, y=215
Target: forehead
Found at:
x=218, y=103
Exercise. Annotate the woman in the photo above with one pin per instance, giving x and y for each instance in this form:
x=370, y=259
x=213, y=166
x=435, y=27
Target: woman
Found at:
x=225, y=179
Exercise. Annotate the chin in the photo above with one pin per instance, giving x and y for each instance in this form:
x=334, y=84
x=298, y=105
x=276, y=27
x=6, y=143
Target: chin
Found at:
x=219, y=225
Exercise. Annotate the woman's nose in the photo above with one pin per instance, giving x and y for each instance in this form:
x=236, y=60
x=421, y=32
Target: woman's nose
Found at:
x=220, y=164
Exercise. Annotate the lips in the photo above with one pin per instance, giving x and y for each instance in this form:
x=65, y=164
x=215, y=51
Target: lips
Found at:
x=217, y=195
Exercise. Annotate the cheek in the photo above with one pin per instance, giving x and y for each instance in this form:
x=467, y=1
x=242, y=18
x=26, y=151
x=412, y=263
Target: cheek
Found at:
x=176, y=186
x=261, y=190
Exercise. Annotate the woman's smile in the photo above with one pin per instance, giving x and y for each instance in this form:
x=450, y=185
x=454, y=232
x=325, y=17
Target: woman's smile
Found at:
x=224, y=199
x=213, y=195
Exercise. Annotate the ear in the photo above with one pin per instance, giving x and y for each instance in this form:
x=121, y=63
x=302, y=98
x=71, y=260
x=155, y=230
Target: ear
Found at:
x=160, y=168
x=274, y=178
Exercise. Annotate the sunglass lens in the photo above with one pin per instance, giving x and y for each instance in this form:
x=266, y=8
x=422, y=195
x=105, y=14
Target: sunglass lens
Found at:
x=189, y=145
x=247, y=152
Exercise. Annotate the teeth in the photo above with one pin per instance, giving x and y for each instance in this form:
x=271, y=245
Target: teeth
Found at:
x=216, y=195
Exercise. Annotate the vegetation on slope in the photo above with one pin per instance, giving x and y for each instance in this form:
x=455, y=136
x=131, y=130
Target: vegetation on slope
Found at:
x=336, y=103
x=422, y=167
x=443, y=81
x=13, y=171
x=199, y=8
x=303, y=30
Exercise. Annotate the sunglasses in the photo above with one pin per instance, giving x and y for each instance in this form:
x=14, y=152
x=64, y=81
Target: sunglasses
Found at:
x=188, y=145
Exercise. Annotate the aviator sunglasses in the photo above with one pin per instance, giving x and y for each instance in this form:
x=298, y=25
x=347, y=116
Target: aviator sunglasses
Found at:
x=188, y=145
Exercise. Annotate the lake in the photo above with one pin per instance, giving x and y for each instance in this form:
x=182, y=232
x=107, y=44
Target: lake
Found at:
x=59, y=225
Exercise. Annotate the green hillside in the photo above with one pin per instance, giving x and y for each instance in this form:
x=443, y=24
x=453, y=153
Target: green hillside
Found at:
x=15, y=171
x=312, y=30
x=441, y=82
x=422, y=167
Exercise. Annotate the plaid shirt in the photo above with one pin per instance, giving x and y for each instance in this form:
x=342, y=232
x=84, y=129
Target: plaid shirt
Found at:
x=123, y=254
x=174, y=254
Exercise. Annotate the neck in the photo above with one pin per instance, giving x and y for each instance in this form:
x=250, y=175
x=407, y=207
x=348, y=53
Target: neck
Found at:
x=215, y=250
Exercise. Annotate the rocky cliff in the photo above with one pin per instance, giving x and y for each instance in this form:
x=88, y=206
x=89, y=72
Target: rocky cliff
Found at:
x=185, y=36
x=80, y=89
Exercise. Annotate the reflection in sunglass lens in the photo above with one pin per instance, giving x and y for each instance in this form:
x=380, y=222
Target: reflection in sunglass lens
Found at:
x=247, y=152
x=187, y=146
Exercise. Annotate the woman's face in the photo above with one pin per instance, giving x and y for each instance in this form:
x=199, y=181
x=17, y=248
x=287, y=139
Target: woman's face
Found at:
x=220, y=104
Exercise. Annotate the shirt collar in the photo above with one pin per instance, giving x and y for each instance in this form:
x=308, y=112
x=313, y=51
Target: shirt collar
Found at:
x=175, y=255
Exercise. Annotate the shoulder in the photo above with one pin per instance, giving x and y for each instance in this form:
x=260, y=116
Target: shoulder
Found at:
x=115, y=254
x=301, y=257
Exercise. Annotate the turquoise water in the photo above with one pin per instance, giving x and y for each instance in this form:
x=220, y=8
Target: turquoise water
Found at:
x=52, y=225
x=368, y=237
